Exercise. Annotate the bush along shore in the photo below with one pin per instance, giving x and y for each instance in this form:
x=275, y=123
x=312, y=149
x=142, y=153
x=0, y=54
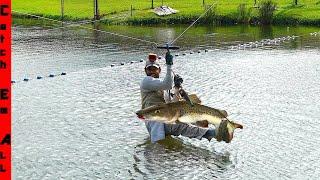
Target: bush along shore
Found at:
x=263, y=12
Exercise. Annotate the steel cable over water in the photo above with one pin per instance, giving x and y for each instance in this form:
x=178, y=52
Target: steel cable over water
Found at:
x=72, y=25
x=154, y=44
x=170, y=43
x=98, y=30
x=69, y=24
x=191, y=24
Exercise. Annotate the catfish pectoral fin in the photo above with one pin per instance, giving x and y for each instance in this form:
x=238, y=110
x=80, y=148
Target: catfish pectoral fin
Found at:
x=224, y=113
x=203, y=123
x=170, y=122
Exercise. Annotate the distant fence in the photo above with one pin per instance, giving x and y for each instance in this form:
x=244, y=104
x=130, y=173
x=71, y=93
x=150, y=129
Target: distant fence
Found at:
x=95, y=9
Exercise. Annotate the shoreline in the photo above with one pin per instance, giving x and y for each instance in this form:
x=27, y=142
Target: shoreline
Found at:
x=181, y=19
x=222, y=12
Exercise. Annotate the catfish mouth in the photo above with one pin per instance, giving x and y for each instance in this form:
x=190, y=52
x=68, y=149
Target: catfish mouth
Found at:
x=229, y=138
x=226, y=137
x=139, y=115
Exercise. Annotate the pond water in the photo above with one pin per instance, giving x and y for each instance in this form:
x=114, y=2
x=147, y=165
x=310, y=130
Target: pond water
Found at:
x=82, y=125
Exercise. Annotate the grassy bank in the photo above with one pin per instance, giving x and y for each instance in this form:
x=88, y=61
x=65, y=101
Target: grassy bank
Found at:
x=307, y=12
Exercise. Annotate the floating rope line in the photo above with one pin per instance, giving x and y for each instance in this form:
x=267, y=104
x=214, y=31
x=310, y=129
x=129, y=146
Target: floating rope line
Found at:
x=315, y=34
x=255, y=44
x=263, y=42
x=269, y=42
x=244, y=46
x=39, y=77
x=85, y=27
x=249, y=45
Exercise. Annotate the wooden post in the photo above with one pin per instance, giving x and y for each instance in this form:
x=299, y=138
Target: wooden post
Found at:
x=62, y=9
x=96, y=10
x=151, y=4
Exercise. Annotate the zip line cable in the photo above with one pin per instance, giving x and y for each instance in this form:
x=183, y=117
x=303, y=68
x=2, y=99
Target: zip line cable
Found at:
x=98, y=30
x=154, y=44
x=111, y=33
x=169, y=44
x=73, y=25
x=69, y=25
x=191, y=24
x=120, y=35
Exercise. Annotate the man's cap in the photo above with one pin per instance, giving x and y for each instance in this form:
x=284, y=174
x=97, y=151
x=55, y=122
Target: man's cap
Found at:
x=152, y=57
x=152, y=61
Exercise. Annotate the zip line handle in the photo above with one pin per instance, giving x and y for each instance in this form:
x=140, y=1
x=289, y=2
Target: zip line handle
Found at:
x=167, y=47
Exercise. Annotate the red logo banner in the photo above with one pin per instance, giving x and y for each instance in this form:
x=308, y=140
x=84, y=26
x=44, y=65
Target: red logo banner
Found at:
x=5, y=89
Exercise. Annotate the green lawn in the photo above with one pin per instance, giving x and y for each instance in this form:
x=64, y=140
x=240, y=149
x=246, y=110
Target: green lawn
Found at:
x=116, y=10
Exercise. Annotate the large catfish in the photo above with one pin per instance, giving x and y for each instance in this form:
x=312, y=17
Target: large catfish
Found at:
x=182, y=111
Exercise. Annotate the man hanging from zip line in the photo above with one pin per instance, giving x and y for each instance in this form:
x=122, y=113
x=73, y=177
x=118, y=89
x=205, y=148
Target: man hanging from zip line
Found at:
x=152, y=93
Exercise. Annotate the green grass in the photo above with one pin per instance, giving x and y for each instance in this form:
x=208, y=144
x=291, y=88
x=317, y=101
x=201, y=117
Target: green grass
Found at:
x=119, y=11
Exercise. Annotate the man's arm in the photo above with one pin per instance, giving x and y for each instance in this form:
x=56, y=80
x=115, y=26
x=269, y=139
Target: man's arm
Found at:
x=155, y=84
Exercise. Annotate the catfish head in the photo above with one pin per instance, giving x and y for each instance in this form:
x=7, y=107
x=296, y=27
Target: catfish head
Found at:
x=160, y=112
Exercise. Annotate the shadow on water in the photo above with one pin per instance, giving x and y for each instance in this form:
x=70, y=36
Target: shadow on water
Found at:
x=172, y=158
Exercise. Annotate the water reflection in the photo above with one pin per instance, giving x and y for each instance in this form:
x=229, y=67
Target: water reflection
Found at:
x=172, y=158
x=165, y=35
x=96, y=36
x=266, y=32
x=295, y=44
